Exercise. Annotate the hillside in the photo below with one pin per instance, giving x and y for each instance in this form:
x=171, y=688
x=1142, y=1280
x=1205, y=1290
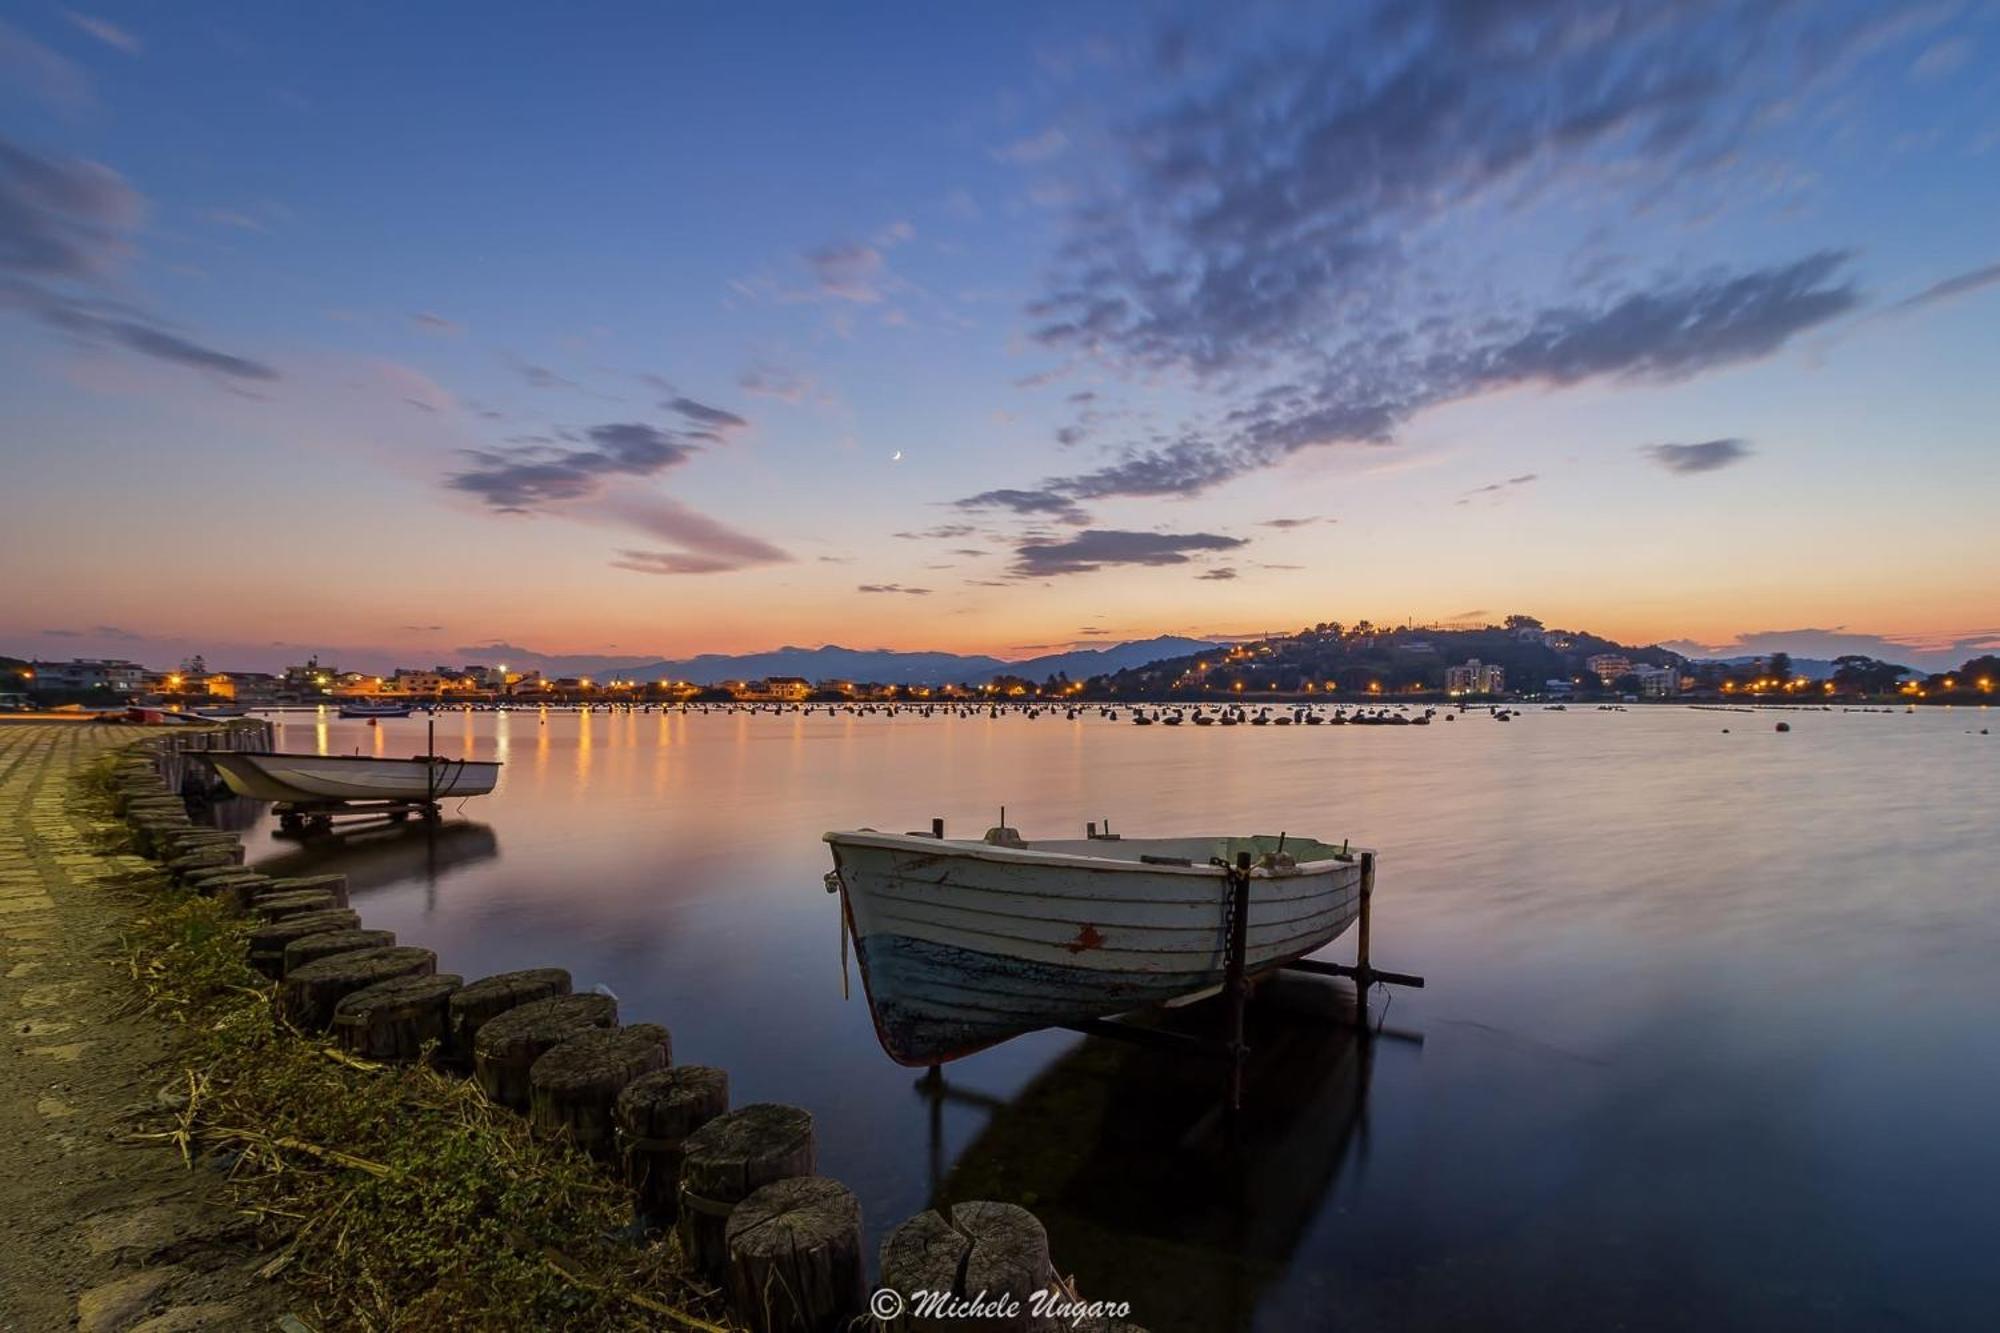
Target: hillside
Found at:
x=1356, y=657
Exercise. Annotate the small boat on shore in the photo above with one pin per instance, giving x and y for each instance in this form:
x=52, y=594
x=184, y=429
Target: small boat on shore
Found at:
x=321, y=779
x=375, y=710
x=966, y=943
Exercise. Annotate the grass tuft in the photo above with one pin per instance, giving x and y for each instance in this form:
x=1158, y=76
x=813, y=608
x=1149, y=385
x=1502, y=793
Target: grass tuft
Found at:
x=399, y=1196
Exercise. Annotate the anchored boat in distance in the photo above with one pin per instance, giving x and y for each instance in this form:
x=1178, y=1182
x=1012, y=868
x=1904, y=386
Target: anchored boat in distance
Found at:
x=965, y=943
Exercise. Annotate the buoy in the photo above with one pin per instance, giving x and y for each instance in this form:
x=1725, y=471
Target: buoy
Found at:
x=1784, y=726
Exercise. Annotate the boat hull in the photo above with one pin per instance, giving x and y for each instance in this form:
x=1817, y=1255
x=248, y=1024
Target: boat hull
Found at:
x=314, y=779
x=963, y=946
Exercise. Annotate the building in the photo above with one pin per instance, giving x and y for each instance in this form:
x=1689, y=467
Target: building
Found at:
x=1608, y=667
x=1474, y=677
x=791, y=689
x=113, y=675
x=1658, y=682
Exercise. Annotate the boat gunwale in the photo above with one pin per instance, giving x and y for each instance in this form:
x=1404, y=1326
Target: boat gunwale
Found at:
x=348, y=758
x=924, y=844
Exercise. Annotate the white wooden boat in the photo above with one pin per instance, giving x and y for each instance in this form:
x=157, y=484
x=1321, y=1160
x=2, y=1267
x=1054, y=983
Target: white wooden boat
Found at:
x=317, y=779
x=965, y=943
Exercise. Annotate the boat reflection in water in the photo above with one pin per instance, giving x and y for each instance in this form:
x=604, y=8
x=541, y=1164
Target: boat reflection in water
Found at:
x=1127, y=1156
x=380, y=852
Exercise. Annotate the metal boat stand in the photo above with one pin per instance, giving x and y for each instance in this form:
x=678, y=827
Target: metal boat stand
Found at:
x=1236, y=984
x=294, y=816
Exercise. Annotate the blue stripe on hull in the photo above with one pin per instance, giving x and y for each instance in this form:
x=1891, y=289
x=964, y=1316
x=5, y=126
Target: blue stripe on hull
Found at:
x=936, y=1002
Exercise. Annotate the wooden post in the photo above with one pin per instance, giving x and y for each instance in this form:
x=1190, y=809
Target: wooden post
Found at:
x=655, y=1114
x=1364, y=975
x=795, y=1262
x=278, y=906
x=1009, y=1255
x=311, y=948
x=268, y=941
x=926, y=1253
x=728, y=1159
x=395, y=1020
x=573, y=1087
x=333, y=884
x=1236, y=983
x=507, y=1047
x=488, y=998
x=309, y=994
x=993, y=1248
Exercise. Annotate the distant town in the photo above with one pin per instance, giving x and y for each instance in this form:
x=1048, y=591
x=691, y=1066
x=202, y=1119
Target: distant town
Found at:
x=1520, y=659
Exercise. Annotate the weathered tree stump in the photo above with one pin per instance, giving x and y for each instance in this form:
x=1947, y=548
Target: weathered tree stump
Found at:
x=327, y=943
x=573, y=1087
x=727, y=1160
x=923, y=1254
x=508, y=1046
x=268, y=941
x=655, y=1114
x=995, y=1248
x=795, y=1262
x=180, y=867
x=278, y=906
x=309, y=994
x=333, y=884
x=395, y=1020
x=488, y=998
x=237, y=890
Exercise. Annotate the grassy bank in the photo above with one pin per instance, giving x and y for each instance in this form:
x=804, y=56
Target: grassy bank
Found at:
x=390, y=1197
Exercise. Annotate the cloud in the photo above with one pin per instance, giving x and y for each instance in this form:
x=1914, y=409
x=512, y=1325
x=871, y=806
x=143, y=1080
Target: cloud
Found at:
x=1288, y=523
x=63, y=217
x=1219, y=573
x=527, y=478
x=941, y=532
x=766, y=381
x=101, y=323
x=554, y=478
x=1707, y=456
x=541, y=377
x=701, y=414
x=105, y=31
x=1306, y=228
x=848, y=271
x=706, y=541
x=1030, y=503
x=1499, y=488
x=229, y=217
x=893, y=587
x=1034, y=148
x=66, y=221
x=438, y=324
x=1936, y=653
x=1363, y=392
x=1959, y=285
x=30, y=67
x=1095, y=548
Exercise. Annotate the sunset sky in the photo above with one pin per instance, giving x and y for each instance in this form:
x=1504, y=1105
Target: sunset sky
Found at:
x=392, y=332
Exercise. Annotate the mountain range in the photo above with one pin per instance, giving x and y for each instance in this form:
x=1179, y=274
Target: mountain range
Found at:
x=832, y=662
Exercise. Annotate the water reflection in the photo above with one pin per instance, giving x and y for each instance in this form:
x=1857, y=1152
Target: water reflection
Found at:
x=381, y=853
x=1127, y=1154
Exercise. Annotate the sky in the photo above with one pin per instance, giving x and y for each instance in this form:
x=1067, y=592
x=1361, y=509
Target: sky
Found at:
x=392, y=332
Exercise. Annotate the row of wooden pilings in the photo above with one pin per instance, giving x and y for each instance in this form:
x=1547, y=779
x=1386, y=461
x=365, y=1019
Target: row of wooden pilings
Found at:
x=739, y=1187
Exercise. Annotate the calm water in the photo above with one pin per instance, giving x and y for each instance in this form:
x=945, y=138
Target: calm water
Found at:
x=1709, y=1039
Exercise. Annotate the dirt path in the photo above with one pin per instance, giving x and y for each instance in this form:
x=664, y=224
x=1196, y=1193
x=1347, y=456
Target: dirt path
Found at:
x=96, y=1232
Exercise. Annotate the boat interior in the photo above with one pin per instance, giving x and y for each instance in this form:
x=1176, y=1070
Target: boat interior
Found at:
x=1175, y=851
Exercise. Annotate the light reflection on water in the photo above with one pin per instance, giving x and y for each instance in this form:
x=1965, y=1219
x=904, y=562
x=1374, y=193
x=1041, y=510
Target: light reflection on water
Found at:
x=1708, y=1037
